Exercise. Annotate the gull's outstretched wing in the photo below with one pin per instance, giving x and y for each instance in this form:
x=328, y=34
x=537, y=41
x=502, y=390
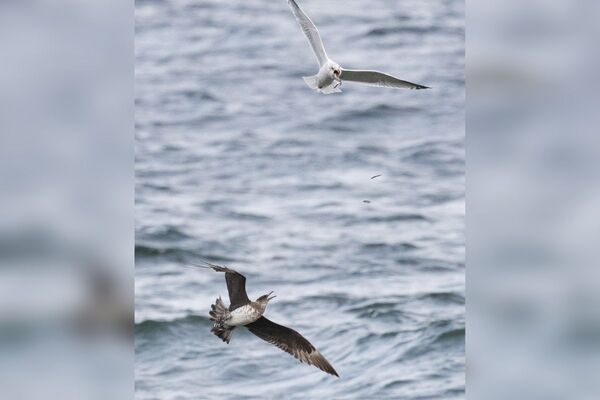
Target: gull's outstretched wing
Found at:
x=236, y=285
x=311, y=32
x=376, y=78
x=290, y=341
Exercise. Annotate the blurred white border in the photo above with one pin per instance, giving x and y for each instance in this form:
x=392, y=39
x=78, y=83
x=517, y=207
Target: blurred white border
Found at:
x=533, y=220
x=66, y=223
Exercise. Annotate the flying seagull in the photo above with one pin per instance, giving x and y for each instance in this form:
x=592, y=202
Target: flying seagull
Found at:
x=331, y=75
x=244, y=312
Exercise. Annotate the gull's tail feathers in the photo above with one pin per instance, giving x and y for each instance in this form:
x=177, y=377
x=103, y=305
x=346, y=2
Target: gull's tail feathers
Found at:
x=333, y=88
x=220, y=314
x=312, y=81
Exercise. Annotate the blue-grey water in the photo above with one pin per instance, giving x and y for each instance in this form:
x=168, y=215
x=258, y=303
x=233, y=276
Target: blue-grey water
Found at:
x=239, y=162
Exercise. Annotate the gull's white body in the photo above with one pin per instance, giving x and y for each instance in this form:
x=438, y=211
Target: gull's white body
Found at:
x=324, y=81
x=331, y=75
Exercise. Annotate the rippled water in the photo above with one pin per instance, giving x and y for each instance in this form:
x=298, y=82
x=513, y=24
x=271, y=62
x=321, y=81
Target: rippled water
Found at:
x=238, y=162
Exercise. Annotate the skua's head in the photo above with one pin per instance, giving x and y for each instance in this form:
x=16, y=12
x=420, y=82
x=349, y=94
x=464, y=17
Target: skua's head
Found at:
x=264, y=300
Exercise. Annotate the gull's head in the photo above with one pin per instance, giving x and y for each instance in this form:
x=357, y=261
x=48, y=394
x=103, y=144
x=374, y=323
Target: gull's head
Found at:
x=264, y=300
x=335, y=71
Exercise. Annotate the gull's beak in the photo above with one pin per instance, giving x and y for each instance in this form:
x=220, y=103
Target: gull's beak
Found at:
x=270, y=298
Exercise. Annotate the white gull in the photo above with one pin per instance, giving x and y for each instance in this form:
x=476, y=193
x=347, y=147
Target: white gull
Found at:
x=331, y=75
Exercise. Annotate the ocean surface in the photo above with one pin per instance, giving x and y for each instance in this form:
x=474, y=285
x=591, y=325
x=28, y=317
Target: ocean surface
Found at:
x=240, y=163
